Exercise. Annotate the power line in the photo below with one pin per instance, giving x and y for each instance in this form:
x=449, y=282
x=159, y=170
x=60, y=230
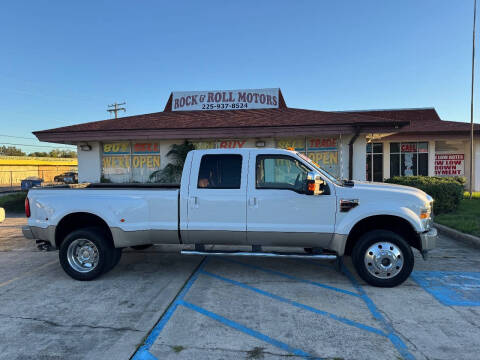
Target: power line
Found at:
x=54, y=147
x=18, y=137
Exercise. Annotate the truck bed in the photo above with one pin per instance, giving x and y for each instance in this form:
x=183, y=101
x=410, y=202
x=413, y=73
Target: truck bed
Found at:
x=110, y=186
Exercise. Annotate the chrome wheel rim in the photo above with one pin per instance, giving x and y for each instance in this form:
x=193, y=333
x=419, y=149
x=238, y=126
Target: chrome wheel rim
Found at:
x=383, y=260
x=83, y=255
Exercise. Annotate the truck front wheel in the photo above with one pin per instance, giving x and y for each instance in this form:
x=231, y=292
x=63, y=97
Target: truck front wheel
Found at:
x=383, y=258
x=87, y=253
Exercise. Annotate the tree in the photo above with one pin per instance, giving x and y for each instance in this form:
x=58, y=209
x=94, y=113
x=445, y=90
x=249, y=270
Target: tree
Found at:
x=11, y=151
x=172, y=172
x=63, y=153
x=38, y=154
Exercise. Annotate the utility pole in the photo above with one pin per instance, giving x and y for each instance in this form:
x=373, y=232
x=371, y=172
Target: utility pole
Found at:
x=116, y=108
x=471, y=101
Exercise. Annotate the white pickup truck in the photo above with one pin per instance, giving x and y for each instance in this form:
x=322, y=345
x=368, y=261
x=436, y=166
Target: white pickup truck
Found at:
x=255, y=197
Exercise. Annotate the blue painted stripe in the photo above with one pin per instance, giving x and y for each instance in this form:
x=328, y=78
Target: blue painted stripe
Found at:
x=394, y=338
x=291, y=277
x=451, y=288
x=168, y=314
x=143, y=354
x=248, y=331
x=297, y=304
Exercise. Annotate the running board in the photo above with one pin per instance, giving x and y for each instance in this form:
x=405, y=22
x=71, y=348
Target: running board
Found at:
x=260, y=254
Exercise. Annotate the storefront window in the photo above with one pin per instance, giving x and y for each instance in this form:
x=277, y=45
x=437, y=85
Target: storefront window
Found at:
x=125, y=162
x=322, y=150
x=408, y=159
x=375, y=162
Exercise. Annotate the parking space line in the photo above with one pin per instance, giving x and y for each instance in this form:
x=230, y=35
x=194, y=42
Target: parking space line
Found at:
x=143, y=352
x=248, y=331
x=451, y=288
x=299, y=305
x=28, y=273
x=392, y=336
x=291, y=277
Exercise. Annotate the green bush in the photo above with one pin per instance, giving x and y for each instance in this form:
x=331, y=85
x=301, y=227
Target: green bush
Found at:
x=447, y=192
x=14, y=202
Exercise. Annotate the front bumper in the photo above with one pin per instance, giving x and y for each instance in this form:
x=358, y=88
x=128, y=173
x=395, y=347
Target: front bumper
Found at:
x=428, y=239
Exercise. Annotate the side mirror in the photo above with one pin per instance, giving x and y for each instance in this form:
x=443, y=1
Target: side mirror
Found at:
x=314, y=185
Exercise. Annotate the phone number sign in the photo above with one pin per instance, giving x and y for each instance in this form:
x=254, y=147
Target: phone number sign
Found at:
x=225, y=100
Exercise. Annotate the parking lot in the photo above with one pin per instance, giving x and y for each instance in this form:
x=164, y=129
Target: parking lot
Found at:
x=158, y=304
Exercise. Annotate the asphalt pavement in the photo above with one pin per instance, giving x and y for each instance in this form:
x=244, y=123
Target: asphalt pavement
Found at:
x=157, y=304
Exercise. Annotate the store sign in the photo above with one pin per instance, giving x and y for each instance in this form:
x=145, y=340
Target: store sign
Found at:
x=449, y=164
x=225, y=100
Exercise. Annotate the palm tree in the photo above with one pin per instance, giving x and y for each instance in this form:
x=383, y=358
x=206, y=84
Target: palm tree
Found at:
x=172, y=172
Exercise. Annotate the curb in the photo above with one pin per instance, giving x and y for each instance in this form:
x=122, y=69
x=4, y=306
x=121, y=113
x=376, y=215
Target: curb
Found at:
x=458, y=235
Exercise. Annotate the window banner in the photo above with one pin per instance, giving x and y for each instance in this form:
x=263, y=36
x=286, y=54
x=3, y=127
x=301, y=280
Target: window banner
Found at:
x=298, y=144
x=117, y=148
x=449, y=164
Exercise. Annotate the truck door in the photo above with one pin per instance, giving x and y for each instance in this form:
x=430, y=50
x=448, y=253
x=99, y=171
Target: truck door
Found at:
x=217, y=198
x=279, y=212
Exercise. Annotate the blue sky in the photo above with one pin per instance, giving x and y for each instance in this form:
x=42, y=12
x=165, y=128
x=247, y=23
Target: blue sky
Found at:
x=63, y=62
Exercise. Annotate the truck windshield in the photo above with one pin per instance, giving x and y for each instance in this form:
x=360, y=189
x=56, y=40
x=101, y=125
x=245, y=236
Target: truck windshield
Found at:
x=319, y=169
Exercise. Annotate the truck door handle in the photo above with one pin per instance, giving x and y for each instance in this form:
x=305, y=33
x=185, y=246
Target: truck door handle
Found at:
x=194, y=202
x=253, y=202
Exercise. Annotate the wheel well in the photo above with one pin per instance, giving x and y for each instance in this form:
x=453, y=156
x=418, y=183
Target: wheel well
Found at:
x=383, y=222
x=77, y=221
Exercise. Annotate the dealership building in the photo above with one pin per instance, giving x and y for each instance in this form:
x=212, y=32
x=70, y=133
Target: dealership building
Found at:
x=370, y=145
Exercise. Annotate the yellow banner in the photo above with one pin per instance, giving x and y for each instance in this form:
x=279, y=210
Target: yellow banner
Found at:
x=138, y=161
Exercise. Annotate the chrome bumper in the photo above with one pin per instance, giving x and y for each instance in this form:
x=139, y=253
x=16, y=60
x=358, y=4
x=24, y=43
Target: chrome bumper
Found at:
x=428, y=239
x=27, y=232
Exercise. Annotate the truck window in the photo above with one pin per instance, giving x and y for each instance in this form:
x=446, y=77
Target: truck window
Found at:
x=220, y=172
x=280, y=172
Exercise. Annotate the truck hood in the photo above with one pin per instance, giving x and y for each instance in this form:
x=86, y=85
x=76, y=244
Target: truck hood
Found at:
x=397, y=195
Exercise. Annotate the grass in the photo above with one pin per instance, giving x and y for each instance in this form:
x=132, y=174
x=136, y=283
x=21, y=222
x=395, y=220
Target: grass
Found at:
x=177, y=348
x=13, y=202
x=256, y=353
x=466, y=218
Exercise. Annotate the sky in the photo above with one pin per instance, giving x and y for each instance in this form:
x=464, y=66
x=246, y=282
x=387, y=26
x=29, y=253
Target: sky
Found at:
x=63, y=62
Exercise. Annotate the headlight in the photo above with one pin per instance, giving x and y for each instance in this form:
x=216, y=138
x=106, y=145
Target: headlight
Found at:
x=425, y=215
x=426, y=210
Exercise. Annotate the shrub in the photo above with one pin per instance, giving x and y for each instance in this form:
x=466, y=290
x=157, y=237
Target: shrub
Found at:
x=14, y=202
x=447, y=192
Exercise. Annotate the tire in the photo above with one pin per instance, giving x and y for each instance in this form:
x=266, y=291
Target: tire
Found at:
x=115, y=259
x=383, y=258
x=97, y=251
x=141, y=247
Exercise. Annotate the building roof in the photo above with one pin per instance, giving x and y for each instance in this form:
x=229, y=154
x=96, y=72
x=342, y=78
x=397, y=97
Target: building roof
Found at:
x=283, y=121
x=422, y=121
x=208, y=124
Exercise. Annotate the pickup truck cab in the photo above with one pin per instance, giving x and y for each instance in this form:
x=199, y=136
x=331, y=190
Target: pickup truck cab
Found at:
x=255, y=197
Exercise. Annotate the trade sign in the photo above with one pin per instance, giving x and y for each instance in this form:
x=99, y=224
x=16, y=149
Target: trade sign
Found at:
x=225, y=100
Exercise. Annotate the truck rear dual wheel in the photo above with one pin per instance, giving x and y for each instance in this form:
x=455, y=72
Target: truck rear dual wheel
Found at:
x=383, y=258
x=87, y=253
